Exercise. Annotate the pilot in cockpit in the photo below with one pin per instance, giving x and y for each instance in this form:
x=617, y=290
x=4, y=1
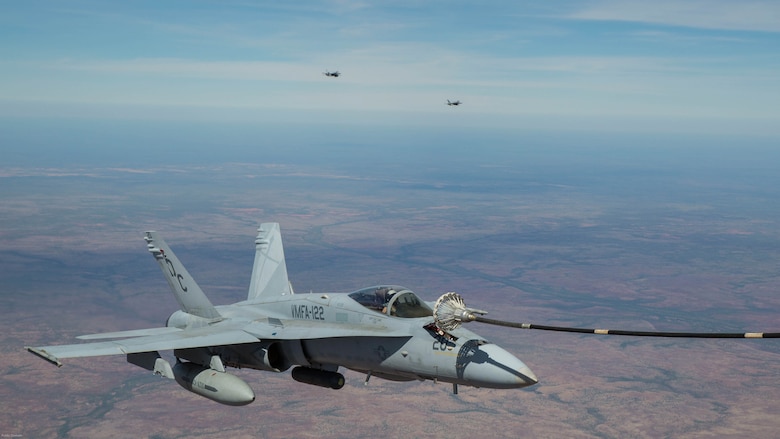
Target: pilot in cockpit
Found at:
x=383, y=297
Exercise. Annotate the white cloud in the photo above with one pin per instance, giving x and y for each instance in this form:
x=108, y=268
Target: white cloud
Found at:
x=742, y=15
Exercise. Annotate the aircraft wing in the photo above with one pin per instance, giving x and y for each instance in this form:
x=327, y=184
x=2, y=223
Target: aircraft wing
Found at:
x=160, y=339
x=167, y=340
x=131, y=333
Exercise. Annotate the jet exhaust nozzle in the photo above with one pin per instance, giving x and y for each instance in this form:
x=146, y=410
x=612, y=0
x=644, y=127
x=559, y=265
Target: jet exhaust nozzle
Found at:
x=317, y=377
x=221, y=387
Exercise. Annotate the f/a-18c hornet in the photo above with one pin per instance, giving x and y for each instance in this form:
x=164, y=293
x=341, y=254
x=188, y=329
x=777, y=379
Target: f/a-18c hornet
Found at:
x=384, y=331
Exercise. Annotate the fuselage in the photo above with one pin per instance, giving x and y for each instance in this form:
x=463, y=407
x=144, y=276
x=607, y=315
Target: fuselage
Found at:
x=384, y=331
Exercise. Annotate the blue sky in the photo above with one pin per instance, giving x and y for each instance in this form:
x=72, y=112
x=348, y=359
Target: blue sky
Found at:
x=612, y=65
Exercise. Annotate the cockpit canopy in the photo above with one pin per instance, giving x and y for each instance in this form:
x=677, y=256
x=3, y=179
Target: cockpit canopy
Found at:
x=392, y=300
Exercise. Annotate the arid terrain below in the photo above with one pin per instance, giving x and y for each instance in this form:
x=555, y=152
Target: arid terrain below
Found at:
x=645, y=248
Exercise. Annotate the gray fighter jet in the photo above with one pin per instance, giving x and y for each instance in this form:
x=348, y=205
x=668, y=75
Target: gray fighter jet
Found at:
x=385, y=331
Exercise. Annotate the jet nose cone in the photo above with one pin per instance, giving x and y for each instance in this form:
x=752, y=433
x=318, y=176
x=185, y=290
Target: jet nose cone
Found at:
x=491, y=366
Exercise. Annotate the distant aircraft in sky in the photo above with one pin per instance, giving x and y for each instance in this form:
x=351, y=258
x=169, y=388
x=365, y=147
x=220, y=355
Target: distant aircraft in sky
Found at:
x=453, y=103
x=335, y=74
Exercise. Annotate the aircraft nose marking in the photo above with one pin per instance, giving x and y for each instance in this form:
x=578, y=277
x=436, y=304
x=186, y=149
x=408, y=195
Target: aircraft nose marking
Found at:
x=492, y=366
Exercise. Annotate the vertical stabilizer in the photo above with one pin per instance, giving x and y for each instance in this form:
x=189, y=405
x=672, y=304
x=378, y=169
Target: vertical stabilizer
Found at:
x=269, y=274
x=187, y=292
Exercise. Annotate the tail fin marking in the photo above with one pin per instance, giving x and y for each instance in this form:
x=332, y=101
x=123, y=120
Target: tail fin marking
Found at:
x=187, y=292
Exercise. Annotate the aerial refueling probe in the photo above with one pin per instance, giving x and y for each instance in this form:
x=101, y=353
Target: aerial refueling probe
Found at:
x=450, y=312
